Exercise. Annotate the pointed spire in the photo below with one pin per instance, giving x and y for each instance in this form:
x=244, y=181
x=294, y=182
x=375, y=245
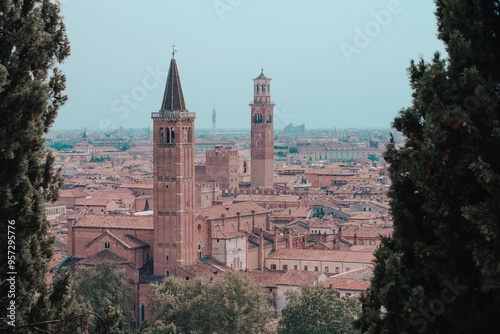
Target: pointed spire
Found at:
x=173, y=99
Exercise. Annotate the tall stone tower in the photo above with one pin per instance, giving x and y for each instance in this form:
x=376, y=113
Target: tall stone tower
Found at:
x=174, y=185
x=262, y=140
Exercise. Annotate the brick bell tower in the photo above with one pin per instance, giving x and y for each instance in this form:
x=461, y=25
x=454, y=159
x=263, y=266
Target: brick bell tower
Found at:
x=262, y=140
x=173, y=185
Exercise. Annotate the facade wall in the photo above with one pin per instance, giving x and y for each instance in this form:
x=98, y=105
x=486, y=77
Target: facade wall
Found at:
x=231, y=252
x=222, y=165
x=312, y=265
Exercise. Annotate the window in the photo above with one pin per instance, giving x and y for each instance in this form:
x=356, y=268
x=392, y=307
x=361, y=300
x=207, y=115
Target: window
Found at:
x=187, y=278
x=347, y=269
x=348, y=294
x=326, y=270
x=167, y=273
x=305, y=268
x=295, y=267
x=372, y=242
x=285, y=267
x=361, y=242
x=143, y=312
x=273, y=267
x=167, y=257
x=316, y=268
x=337, y=270
x=106, y=245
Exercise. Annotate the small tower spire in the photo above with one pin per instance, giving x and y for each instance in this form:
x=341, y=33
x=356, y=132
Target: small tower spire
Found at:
x=173, y=49
x=214, y=117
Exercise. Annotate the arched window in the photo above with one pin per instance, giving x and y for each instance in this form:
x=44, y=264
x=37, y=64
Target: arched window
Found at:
x=263, y=89
x=257, y=89
x=161, y=135
x=185, y=135
x=167, y=273
x=168, y=135
x=172, y=135
x=143, y=313
x=257, y=143
x=199, y=251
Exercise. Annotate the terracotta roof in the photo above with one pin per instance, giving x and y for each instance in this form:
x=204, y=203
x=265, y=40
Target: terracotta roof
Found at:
x=295, y=277
x=230, y=210
x=137, y=185
x=365, y=231
x=347, y=284
x=91, y=201
x=133, y=242
x=265, y=198
x=266, y=278
x=104, y=255
x=116, y=221
x=322, y=255
x=225, y=232
x=72, y=193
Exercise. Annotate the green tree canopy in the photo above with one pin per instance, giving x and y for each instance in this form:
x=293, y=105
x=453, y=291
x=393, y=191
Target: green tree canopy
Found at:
x=440, y=272
x=231, y=304
x=293, y=149
x=317, y=310
x=32, y=41
x=103, y=287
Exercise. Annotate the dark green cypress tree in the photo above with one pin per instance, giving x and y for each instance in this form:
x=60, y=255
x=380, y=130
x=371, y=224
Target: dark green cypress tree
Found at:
x=32, y=41
x=440, y=272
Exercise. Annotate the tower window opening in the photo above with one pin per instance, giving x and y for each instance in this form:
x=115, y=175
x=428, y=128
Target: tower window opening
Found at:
x=167, y=135
x=161, y=135
x=172, y=135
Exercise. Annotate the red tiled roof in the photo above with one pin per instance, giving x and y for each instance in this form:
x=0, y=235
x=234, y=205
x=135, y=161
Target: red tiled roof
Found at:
x=265, y=198
x=230, y=210
x=225, y=232
x=266, y=278
x=322, y=255
x=116, y=221
x=295, y=277
x=104, y=255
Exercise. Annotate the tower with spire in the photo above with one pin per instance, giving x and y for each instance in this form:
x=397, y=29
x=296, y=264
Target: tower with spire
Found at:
x=262, y=133
x=214, y=118
x=174, y=184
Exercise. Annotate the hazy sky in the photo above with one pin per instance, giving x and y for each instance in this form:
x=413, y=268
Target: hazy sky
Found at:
x=333, y=63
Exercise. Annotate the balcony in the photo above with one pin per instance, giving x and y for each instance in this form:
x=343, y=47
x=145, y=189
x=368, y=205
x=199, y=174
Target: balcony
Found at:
x=254, y=102
x=173, y=114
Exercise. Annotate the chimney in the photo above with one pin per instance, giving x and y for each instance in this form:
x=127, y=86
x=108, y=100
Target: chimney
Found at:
x=253, y=219
x=355, y=241
x=261, y=250
x=268, y=222
x=239, y=220
x=289, y=238
x=275, y=239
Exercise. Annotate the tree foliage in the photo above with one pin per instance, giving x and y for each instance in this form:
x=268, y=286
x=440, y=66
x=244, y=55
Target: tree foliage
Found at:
x=32, y=41
x=105, y=288
x=317, y=310
x=440, y=272
x=231, y=304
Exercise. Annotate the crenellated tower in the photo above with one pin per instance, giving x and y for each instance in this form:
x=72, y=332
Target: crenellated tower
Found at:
x=174, y=184
x=262, y=137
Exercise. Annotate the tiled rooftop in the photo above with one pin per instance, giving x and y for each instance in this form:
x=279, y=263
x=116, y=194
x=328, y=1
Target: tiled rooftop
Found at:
x=116, y=221
x=322, y=255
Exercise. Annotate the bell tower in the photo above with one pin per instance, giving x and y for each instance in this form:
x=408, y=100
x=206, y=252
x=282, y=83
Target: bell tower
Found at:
x=173, y=184
x=262, y=138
